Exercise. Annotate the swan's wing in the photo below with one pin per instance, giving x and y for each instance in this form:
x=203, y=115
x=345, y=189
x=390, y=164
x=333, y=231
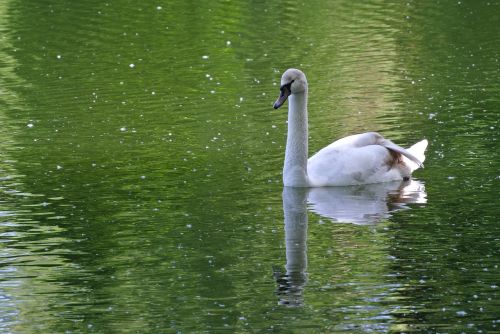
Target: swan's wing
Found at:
x=373, y=138
x=359, y=140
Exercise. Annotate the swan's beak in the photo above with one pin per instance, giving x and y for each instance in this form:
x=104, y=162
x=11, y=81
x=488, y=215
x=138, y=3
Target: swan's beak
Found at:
x=285, y=92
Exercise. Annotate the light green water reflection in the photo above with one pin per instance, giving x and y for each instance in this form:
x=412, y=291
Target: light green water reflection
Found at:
x=140, y=161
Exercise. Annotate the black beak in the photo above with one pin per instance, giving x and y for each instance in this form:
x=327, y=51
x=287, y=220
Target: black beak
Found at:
x=286, y=90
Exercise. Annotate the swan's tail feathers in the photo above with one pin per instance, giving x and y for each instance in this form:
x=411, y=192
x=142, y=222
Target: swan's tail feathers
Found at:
x=408, y=156
x=413, y=157
x=418, y=151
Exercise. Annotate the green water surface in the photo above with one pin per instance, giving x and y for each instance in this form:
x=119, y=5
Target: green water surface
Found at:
x=141, y=158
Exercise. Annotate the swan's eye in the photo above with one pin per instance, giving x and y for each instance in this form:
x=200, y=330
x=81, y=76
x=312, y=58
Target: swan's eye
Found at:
x=287, y=86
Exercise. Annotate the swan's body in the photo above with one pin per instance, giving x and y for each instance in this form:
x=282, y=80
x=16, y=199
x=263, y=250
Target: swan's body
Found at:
x=359, y=159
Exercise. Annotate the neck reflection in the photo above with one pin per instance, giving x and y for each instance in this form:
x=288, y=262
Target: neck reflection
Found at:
x=291, y=283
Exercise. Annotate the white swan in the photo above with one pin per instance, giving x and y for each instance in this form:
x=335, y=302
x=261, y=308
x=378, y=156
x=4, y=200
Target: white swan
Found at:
x=358, y=159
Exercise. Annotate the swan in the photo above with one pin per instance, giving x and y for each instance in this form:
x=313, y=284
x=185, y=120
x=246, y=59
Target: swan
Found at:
x=357, y=159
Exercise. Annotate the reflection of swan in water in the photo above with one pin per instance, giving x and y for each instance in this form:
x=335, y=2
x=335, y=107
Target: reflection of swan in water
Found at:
x=365, y=204
x=291, y=283
x=359, y=205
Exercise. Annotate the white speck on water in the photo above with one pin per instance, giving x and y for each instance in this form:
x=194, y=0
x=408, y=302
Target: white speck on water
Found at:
x=212, y=92
x=131, y=65
x=451, y=177
x=158, y=8
x=121, y=82
x=228, y=43
x=204, y=57
x=59, y=56
x=241, y=99
x=461, y=313
x=143, y=177
x=30, y=125
x=153, y=93
x=123, y=129
x=189, y=226
x=59, y=167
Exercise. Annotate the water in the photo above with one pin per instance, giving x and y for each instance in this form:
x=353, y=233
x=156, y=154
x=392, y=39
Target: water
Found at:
x=140, y=168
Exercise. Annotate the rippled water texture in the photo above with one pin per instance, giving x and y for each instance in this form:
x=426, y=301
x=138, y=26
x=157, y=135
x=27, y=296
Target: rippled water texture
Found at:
x=141, y=158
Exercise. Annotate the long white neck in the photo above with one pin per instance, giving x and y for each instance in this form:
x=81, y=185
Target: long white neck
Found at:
x=295, y=168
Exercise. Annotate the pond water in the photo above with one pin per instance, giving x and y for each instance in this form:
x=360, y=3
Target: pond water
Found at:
x=141, y=159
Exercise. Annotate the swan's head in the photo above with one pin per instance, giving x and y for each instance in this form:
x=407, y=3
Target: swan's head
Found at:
x=293, y=81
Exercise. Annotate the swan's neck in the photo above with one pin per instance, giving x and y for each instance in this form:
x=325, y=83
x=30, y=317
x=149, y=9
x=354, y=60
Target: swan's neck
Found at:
x=295, y=168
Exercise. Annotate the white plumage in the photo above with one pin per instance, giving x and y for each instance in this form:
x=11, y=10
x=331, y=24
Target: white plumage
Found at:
x=358, y=159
